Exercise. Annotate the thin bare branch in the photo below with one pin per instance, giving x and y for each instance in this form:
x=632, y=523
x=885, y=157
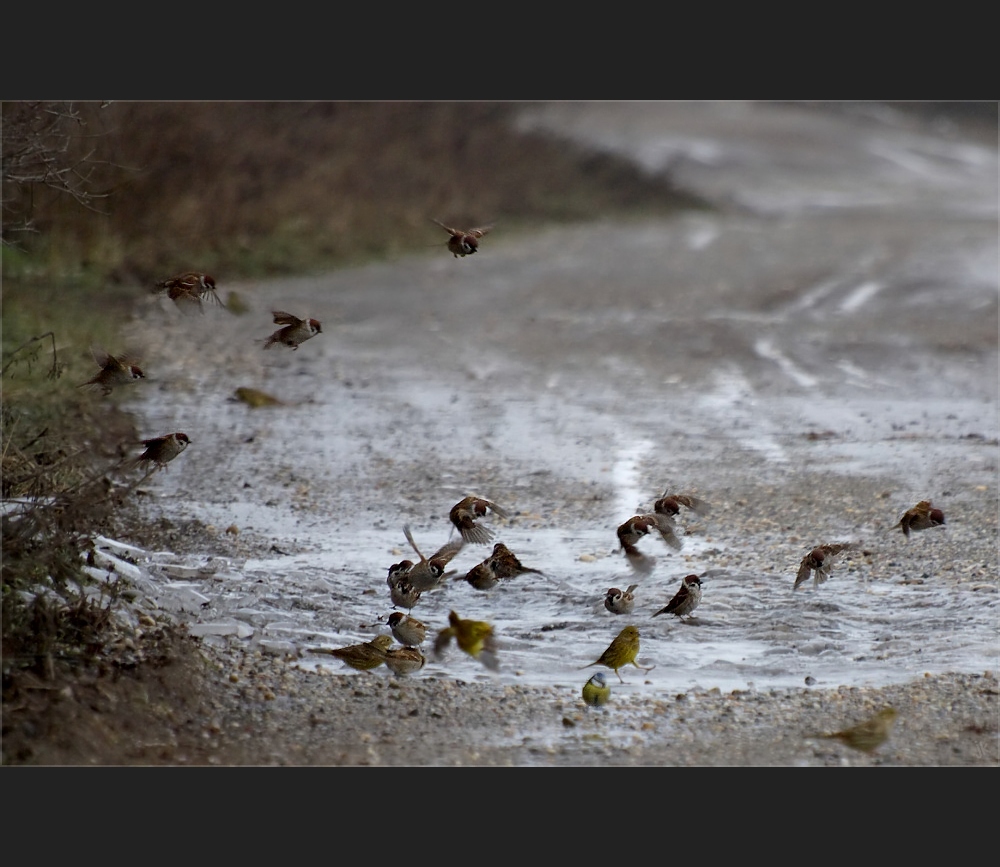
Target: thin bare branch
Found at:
x=54, y=372
x=40, y=146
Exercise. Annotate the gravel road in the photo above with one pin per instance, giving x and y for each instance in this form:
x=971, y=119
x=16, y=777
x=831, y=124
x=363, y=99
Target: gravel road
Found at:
x=813, y=357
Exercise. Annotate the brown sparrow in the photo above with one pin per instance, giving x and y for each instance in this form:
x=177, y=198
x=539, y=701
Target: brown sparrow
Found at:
x=475, y=637
x=501, y=565
x=191, y=287
x=638, y=526
x=401, y=591
x=407, y=630
x=686, y=599
x=464, y=242
x=622, y=651
x=505, y=564
x=363, y=657
x=920, y=517
x=670, y=504
x=161, y=450
x=404, y=594
x=620, y=602
x=819, y=562
x=464, y=514
x=481, y=576
x=295, y=330
x=429, y=573
x=402, y=661
x=115, y=370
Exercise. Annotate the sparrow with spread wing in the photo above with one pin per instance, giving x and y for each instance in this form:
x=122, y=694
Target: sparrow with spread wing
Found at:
x=467, y=511
x=295, y=331
x=818, y=562
x=464, y=242
x=921, y=517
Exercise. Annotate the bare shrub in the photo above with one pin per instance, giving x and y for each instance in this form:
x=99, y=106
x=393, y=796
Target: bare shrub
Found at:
x=47, y=148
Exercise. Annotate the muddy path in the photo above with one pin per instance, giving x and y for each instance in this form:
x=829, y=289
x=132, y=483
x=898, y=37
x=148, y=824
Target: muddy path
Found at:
x=812, y=358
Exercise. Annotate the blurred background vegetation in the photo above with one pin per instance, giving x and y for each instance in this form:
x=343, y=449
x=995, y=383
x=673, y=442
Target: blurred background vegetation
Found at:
x=255, y=189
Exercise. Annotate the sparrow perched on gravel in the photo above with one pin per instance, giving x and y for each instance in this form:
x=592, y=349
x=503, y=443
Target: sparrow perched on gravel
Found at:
x=866, y=736
x=620, y=602
x=464, y=242
x=819, y=562
x=407, y=630
x=686, y=599
x=363, y=657
x=295, y=330
x=596, y=690
x=464, y=514
x=921, y=517
x=401, y=591
x=475, y=637
x=191, y=287
x=115, y=370
x=429, y=573
x=161, y=450
x=622, y=651
x=402, y=661
x=630, y=532
x=670, y=504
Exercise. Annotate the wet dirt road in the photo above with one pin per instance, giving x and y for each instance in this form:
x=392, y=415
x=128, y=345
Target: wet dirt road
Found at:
x=813, y=358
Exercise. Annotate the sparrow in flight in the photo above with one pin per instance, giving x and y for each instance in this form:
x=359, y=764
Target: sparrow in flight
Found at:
x=921, y=517
x=464, y=242
x=294, y=332
x=819, y=562
x=464, y=515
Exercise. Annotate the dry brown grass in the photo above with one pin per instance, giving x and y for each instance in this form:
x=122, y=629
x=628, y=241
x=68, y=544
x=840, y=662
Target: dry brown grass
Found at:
x=257, y=188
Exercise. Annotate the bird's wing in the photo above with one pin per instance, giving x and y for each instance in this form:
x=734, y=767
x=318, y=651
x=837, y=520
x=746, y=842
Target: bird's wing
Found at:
x=447, y=228
x=642, y=563
x=409, y=538
x=677, y=601
x=448, y=550
x=695, y=504
x=442, y=640
x=667, y=533
x=500, y=513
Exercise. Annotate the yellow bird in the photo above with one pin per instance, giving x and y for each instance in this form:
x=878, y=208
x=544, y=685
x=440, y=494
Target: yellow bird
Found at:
x=622, y=651
x=866, y=736
x=475, y=637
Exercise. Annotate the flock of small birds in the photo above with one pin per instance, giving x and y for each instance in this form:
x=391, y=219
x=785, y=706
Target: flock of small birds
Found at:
x=190, y=291
x=408, y=579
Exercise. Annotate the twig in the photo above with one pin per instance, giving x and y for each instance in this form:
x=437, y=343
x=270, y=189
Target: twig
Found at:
x=54, y=372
